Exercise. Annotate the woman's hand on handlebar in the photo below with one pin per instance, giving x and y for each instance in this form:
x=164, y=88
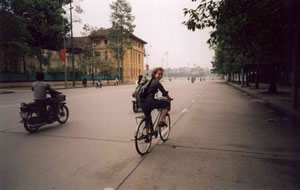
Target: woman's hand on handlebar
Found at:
x=169, y=98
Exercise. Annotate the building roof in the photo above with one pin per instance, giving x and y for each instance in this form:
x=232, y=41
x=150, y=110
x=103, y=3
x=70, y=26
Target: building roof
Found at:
x=79, y=43
x=104, y=33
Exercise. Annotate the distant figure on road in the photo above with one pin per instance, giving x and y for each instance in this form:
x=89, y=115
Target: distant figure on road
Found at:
x=116, y=81
x=84, y=82
x=98, y=83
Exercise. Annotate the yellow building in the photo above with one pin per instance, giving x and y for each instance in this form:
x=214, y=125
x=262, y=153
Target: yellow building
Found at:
x=133, y=61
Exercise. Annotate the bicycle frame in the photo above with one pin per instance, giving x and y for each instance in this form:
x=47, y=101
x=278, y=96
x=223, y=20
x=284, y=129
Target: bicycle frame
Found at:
x=154, y=125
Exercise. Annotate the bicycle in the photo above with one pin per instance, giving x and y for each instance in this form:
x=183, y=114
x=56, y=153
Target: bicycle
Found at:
x=143, y=140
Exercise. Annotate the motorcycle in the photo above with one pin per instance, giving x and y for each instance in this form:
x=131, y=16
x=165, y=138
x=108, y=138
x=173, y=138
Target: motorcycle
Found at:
x=34, y=115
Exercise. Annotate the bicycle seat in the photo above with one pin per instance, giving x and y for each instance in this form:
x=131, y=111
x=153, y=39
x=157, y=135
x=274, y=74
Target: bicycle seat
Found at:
x=140, y=117
x=162, y=98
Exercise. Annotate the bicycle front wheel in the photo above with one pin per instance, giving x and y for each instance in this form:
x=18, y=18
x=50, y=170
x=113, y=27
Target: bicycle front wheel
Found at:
x=164, y=131
x=142, y=139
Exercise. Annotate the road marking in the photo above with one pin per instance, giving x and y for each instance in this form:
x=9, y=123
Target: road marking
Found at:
x=184, y=110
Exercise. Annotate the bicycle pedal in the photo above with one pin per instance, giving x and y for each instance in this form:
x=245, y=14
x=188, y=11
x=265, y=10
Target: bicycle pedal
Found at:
x=154, y=133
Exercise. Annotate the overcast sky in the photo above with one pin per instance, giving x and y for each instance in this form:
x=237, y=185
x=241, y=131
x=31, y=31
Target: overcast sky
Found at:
x=159, y=23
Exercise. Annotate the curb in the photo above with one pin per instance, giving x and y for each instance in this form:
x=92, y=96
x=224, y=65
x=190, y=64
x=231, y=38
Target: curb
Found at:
x=60, y=87
x=274, y=105
x=91, y=86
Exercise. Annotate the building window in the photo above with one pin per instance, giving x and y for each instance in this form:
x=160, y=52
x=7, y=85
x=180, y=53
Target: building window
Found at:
x=106, y=56
x=105, y=41
x=139, y=59
x=136, y=58
x=96, y=42
x=97, y=53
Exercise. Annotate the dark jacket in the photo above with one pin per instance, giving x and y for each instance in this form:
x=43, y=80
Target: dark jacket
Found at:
x=153, y=88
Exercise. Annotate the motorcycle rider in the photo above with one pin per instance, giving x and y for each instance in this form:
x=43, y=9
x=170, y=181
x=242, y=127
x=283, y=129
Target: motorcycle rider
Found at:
x=140, y=77
x=40, y=89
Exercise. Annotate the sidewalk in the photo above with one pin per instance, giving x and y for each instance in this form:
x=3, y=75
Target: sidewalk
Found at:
x=281, y=101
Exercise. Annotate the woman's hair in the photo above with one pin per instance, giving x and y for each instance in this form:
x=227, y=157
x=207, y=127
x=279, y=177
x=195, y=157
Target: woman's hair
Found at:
x=40, y=76
x=156, y=70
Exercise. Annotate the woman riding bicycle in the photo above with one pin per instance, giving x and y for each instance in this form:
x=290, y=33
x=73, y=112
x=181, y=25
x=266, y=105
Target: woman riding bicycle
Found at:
x=149, y=103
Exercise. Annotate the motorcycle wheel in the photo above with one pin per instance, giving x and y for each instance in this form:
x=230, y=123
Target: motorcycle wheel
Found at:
x=63, y=114
x=30, y=128
x=135, y=107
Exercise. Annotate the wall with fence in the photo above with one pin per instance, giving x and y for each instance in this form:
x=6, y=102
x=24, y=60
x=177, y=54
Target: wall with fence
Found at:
x=8, y=77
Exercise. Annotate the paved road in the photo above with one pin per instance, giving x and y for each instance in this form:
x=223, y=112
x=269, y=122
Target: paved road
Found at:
x=221, y=139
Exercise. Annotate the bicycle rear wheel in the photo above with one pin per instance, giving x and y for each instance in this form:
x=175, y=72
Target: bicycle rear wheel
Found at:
x=142, y=139
x=164, y=131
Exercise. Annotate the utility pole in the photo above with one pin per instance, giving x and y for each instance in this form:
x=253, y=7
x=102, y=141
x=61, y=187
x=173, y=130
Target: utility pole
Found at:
x=119, y=69
x=167, y=62
x=72, y=45
x=65, y=48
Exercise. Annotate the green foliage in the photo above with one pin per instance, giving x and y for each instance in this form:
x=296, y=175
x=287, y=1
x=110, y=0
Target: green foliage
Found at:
x=89, y=59
x=244, y=31
x=61, y=69
x=108, y=68
x=32, y=25
x=89, y=30
x=13, y=34
x=122, y=28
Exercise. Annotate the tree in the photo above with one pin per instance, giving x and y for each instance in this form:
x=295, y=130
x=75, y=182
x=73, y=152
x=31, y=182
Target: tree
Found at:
x=122, y=29
x=92, y=61
x=44, y=22
x=246, y=33
x=38, y=25
x=13, y=35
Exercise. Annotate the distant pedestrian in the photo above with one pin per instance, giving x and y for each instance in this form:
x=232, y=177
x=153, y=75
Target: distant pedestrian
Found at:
x=84, y=82
x=98, y=83
x=116, y=81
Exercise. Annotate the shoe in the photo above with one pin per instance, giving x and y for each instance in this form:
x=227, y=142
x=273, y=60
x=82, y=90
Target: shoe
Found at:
x=154, y=133
x=162, y=124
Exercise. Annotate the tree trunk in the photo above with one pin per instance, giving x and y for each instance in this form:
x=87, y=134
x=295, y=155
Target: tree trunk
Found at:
x=257, y=77
x=273, y=80
x=40, y=59
x=243, y=78
x=239, y=76
x=294, y=50
x=247, y=79
x=24, y=65
x=93, y=71
x=229, y=77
